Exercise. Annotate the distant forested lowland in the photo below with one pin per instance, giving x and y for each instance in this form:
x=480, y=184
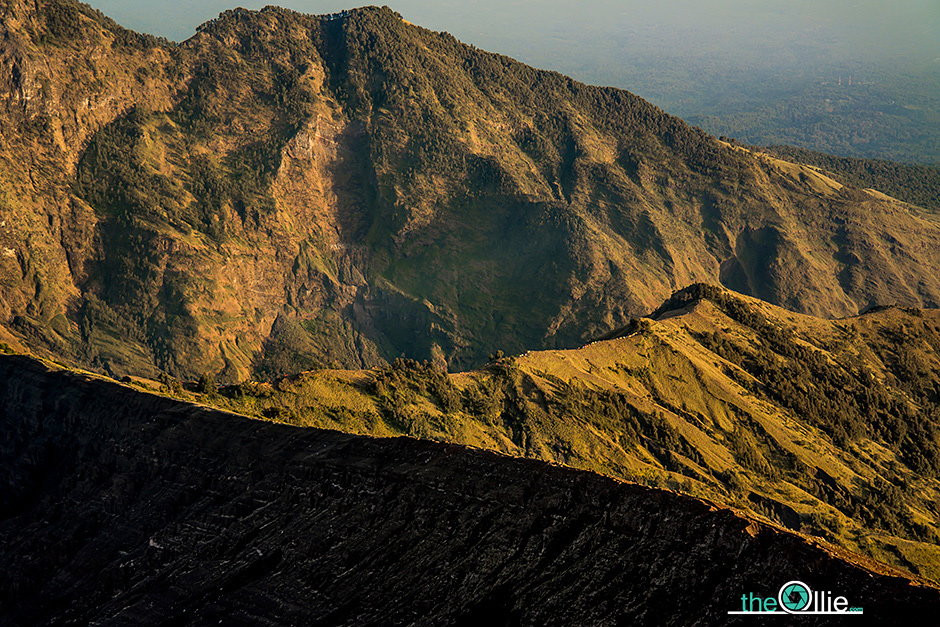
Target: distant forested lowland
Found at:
x=875, y=113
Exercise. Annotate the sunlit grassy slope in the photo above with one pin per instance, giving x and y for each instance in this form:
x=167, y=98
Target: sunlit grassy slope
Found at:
x=826, y=427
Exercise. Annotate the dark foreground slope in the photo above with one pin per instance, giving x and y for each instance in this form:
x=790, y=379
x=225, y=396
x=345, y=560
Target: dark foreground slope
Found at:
x=830, y=428
x=122, y=507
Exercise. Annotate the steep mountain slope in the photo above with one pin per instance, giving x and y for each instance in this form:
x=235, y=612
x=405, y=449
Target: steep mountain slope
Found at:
x=285, y=191
x=121, y=507
x=916, y=184
x=829, y=428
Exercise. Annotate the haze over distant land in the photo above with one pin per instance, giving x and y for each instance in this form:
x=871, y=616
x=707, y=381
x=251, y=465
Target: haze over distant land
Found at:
x=856, y=78
x=742, y=31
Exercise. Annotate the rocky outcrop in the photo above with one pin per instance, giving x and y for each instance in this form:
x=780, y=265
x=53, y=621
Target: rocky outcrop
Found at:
x=122, y=507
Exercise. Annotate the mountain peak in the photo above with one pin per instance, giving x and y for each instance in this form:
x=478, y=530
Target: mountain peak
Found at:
x=247, y=15
x=694, y=293
x=67, y=22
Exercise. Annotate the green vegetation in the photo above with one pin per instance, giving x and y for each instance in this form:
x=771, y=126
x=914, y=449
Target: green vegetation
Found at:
x=343, y=193
x=207, y=385
x=68, y=21
x=293, y=194
x=886, y=113
x=112, y=178
x=836, y=397
x=827, y=428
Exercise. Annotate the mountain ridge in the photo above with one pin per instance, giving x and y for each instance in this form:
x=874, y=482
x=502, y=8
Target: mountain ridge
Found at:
x=827, y=428
x=282, y=192
x=314, y=220
x=913, y=183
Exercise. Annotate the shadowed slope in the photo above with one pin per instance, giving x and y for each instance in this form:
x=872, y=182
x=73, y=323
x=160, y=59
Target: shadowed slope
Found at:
x=122, y=507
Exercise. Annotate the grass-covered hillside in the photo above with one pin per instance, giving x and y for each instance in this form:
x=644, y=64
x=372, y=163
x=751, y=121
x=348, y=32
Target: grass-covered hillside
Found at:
x=829, y=428
x=120, y=506
x=916, y=184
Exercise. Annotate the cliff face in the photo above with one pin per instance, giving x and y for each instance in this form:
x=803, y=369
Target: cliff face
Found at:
x=284, y=191
x=65, y=72
x=121, y=506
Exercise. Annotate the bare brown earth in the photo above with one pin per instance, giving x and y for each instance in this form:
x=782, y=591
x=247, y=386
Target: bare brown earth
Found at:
x=121, y=507
x=283, y=192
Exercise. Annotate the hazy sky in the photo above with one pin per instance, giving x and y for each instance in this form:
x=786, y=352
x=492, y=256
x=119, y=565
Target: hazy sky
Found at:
x=685, y=55
x=730, y=28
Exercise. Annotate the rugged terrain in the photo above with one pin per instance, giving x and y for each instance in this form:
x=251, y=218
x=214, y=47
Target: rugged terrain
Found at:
x=119, y=506
x=283, y=191
x=829, y=428
x=373, y=205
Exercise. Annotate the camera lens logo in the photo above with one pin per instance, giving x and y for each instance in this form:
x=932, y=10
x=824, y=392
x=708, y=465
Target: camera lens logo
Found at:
x=794, y=596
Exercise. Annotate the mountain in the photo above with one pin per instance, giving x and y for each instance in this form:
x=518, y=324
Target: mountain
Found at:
x=828, y=428
x=121, y=506
x=284, y=192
